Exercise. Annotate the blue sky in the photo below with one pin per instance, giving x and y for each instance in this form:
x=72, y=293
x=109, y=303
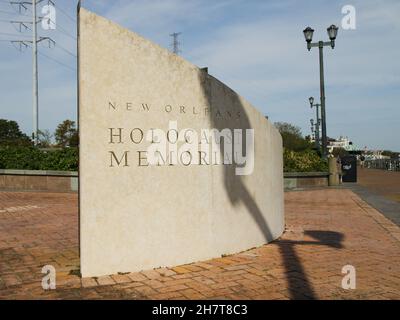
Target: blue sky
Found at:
x=254, y=46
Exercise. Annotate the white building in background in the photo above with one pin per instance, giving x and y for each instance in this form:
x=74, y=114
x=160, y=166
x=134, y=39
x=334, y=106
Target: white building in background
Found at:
x=375, y=155
x=346, y=144
x=341, y=143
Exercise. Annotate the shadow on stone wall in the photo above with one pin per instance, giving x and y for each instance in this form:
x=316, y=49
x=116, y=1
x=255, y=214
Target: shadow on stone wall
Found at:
x=298, y=283
x=234, y=185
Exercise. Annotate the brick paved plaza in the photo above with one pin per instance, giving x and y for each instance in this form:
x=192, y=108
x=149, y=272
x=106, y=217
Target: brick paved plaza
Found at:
x=326, y=230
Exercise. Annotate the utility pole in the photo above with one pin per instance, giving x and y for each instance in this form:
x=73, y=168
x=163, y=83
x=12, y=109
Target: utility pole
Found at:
x=176, y=43
x=22, y=5
x=35, y=76
x=50, y=18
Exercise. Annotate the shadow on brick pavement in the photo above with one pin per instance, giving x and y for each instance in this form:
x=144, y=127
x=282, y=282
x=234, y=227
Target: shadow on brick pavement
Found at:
x=326, y=230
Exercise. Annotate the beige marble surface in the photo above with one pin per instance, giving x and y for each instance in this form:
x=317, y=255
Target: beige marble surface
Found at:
x=138, y=217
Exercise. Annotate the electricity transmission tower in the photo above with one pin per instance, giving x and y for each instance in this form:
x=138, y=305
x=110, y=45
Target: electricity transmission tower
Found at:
x=35, y=76
x=175, y=42
x=24, y=25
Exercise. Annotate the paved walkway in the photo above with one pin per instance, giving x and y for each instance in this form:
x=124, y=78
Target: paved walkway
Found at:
x=382, y=182
x=381, y=190
x=326, y=230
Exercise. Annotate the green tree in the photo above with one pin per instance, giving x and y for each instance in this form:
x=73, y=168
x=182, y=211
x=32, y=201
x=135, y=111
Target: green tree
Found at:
x=339, y=152
x=65, y=133
x=292, y=137
x=74, y=141
x=288, y=128
x=44, y=138
x=11, y=135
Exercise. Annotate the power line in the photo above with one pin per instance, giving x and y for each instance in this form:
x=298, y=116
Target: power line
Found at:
x=59, y=46
x=56, y=61
x=62, y=30
x=58, y=26
x=10, y=21
x=14, y=13
x=12, y=34
x=8, y=12
x=65, y=50
x=65, y=13
x=23, y=43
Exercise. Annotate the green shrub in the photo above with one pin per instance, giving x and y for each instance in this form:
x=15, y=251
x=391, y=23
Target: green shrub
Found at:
x=305, y=161
x=30, y=158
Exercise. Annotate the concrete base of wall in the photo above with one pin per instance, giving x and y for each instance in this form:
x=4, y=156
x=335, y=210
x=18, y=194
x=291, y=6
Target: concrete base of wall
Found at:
x=27, y=180
x=60, y=181
x=301, y=180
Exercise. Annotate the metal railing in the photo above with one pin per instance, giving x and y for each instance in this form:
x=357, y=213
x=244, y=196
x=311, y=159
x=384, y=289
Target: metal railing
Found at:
x=383, y=164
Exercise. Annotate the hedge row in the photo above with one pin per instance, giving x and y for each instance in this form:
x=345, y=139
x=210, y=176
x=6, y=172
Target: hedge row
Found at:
x=304, y=161
x=30, y=158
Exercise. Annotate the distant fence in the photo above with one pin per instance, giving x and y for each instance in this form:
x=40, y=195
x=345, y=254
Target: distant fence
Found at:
x=384, y=164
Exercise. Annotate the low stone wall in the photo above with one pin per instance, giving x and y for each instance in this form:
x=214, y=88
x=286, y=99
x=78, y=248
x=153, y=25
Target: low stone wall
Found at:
x=61, y=181
x=301, y=180
x=29, y=180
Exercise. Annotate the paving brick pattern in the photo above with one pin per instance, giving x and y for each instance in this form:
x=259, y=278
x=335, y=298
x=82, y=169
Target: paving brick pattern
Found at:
x=326, y=230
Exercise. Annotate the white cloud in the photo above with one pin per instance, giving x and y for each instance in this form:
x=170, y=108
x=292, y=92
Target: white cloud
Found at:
x=257, y=48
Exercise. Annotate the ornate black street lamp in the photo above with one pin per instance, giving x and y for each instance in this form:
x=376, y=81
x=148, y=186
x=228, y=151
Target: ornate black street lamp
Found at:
x=332, y=33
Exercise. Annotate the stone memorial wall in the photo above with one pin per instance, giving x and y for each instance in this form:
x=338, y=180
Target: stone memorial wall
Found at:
x=175, y=167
